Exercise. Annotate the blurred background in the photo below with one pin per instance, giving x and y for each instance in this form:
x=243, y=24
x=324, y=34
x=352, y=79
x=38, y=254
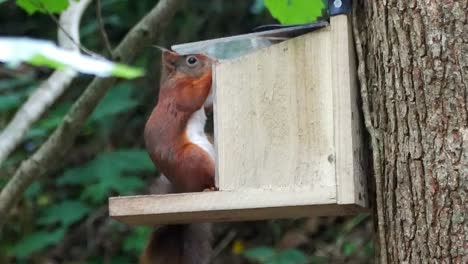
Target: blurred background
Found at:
x=63, y=217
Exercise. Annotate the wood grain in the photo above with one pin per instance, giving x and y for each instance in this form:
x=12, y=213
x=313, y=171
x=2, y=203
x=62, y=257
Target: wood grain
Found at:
x=222, y=206
x=274, y=117
x=351, y=181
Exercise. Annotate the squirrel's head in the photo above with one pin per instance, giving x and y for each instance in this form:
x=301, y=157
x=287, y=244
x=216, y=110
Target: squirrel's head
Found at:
x=187, y=79
x=192, y=66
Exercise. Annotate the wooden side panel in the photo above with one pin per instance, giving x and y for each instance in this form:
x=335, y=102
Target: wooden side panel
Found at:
x=223, y=206
x=274, y=118
x=351, y=182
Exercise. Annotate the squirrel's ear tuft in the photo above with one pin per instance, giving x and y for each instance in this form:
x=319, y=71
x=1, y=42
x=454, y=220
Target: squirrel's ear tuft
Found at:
x=170, y=56
x=169, y=59
x=168, y=66
x=160, y=48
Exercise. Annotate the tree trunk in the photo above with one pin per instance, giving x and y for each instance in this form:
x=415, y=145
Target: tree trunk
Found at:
x=413, y=70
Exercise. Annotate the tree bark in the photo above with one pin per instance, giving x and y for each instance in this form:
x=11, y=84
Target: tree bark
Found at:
x=413, y=70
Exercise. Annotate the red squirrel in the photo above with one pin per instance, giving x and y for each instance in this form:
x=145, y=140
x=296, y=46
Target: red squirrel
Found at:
x=178, y=146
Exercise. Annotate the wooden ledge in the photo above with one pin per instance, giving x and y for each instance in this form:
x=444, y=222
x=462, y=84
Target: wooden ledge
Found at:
x=224, y=206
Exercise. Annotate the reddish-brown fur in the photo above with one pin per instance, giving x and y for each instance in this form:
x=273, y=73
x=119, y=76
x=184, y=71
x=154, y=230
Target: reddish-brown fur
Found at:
x=186, y=165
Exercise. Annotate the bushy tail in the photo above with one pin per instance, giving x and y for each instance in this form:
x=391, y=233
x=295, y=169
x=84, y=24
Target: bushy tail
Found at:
x=179, y=244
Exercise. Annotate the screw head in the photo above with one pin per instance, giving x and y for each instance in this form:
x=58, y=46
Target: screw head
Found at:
x=337, y=3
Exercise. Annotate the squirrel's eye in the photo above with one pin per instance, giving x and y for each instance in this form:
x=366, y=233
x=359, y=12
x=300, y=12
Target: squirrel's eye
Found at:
x=191, y=61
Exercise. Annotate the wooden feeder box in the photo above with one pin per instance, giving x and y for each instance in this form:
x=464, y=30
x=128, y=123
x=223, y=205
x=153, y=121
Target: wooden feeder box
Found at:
x=288, y=138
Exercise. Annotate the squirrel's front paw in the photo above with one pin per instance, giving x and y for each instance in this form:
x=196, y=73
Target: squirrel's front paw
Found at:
x=211, y=189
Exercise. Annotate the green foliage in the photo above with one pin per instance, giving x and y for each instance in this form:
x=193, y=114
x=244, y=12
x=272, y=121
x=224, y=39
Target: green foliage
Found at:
x=355, y=221
x=33, y=190
x=21, y=81
x=118, y=100
x=10, y=101
x=66, y=213
x=349, y=248
x=113, y=260
x=295, y=11
x=127, y=72
x=269, y=255
x=107, y=173
x=369, y=249
x=43, y=6
x=42, y=60
x=50, y=122
x=36, y=241
x=136, y=240
x=290, y=256
x=260, y=254
x=98, y=178
x=319, y=260
x=10, y=96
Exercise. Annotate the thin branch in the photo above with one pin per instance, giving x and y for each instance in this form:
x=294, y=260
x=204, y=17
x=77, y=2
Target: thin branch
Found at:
x=223, y=244
x=57, y=145
x=51, y=88
x=40, y=5
x=66, y=34
x=102, y=30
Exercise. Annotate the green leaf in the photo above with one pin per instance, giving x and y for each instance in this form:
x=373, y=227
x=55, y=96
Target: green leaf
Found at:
x=117, y=100
x=113, y=260
x=354, y=222
x=128, y=160
x=123, y=185
x=108, y=172
x=127, y=72
x=54, y=117
x=295, y=11
x=369, y=249
x=51, y=121
x=136, y=241
x=43, y=6
x=2, y=1
x=76, y=176
x=41, y=60
x=21, y=81
x=127, y=184
x=289, y=256
x=3, y=182
x=108, y=165
x=119, y=260
x=9, y=101
x=33, y=190
x=95, y=193
x=319, y=260
x=260, y=254
x=349, y=248
x=66, y=213
x=36, y=241
x=95, y=260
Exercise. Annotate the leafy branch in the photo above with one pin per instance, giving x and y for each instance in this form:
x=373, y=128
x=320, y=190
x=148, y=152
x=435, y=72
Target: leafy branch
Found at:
x=56, y=146
x=50, y=89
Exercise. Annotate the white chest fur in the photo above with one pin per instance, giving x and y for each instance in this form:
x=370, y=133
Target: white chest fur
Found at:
x=196, y=133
